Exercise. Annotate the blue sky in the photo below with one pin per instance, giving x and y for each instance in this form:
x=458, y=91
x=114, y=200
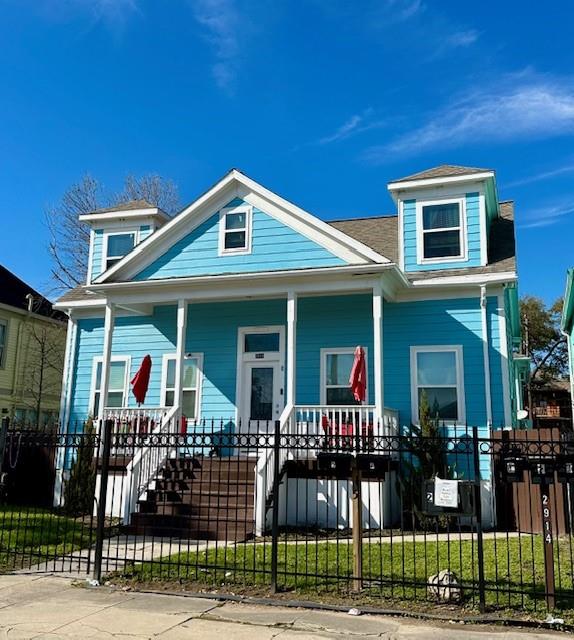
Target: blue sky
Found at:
x=322, y=101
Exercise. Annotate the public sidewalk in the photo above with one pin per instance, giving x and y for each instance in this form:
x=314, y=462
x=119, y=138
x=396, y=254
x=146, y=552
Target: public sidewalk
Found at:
x=34, y=606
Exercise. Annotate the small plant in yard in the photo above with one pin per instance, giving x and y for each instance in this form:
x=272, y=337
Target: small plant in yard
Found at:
x=81, y=485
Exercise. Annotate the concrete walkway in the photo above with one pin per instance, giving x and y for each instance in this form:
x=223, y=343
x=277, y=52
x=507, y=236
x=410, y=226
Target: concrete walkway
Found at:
x=34, y=606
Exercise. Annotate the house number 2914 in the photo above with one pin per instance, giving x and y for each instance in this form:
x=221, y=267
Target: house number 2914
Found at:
x=546, y=519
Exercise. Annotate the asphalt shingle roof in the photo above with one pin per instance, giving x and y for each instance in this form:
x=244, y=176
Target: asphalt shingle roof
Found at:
x=130, y=205
x=442, y=171
x=13, y=292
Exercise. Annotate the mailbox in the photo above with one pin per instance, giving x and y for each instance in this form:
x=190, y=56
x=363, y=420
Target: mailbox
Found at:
x=465, y=500
x=542, y=471
x=565, y=469
x=336, y=464
x=373, y=465
x=513, y=469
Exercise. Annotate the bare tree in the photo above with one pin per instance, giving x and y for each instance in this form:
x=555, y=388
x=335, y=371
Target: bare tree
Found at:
x=69, y=238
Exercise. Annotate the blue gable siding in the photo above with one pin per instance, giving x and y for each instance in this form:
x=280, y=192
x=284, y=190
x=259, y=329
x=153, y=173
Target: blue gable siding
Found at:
x=274, y=247
x=97, y=251
x=473, y=235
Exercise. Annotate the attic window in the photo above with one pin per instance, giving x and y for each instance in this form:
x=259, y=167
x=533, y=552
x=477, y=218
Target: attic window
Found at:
x=441, y=231
x=117, y=246
x=235, y=231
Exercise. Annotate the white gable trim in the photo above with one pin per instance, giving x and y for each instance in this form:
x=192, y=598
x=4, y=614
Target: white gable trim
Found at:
x=233, y=185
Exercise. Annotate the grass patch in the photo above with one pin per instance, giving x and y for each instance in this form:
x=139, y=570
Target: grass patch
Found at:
x=397, y=572
x=29, y=535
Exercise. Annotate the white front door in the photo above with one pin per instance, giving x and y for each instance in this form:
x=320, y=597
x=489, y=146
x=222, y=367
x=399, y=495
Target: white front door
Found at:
x=261, y=378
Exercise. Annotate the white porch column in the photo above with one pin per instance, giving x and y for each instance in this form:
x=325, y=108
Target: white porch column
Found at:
x=180, y=352
x=109, y=319
x=291, y=347
x=378, y=349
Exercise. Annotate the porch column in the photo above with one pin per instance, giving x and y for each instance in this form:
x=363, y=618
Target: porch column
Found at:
x=378, y=348
x=180, y=352
x=291, y=347
x=109, y=320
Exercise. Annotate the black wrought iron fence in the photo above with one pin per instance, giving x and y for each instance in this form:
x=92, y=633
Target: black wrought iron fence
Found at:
x=468, y=518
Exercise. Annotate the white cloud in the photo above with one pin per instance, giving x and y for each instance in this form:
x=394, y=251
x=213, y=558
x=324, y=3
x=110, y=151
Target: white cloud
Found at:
x=529, y=110
x=546, y=216
x=545, y=175
x=357, y=123
x=222, y=22
x=462, y=38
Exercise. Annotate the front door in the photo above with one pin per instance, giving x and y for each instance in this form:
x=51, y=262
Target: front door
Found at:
x=261, y=378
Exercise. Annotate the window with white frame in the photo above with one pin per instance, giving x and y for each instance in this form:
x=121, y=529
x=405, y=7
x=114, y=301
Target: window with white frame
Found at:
x=437, y=372
x=192, y=367
x=235, y=230
x=117, y=384
x=3, y=341
x=441, y=230
x=336, y=365
x=118, y=245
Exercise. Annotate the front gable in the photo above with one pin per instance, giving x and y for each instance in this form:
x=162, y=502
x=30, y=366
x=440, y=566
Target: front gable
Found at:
x=273, y=246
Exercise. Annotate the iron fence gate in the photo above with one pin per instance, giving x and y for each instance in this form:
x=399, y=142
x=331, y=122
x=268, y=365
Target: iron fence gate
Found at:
x=331, y=510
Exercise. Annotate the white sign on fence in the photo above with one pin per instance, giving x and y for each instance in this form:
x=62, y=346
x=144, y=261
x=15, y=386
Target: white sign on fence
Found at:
x=446, y=493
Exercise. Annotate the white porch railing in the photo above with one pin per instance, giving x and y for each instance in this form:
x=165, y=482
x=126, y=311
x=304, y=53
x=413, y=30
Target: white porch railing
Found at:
x=342, y=428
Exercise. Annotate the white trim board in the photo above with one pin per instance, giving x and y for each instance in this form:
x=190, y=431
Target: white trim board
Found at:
x=405, y=185
x=235, y=184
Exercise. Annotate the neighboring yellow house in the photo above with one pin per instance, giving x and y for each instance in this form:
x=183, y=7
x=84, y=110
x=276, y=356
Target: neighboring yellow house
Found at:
x=32, y=345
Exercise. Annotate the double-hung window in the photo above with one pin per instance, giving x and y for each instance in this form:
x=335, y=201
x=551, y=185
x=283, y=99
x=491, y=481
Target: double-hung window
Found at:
x=336, y=365
x=235, y=230
x=437, y=372
x=117, y=384
x=3, y=341
x=192, y=366
x=441, y=231
x=118, y=245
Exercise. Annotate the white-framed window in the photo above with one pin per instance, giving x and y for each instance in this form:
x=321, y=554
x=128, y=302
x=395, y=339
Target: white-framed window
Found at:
x=336, y=365
x=117, y=385
x=192, y=378
x=441, y=230
x=3, y=342
x=116, y=246
x=235, y=230
x=438, y=371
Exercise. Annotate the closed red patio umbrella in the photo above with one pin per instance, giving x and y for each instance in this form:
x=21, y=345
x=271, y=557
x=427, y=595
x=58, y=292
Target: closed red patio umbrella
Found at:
x=358, y=377
x=140, y=381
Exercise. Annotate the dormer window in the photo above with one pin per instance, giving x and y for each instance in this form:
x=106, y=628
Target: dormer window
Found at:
x=118, y=245
x=235, y=231
x=441, y=231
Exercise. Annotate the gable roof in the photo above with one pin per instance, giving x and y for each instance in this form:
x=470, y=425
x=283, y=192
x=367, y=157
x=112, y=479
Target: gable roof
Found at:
x=442, y=171
x=237, y=184
x=130, y=205
x=378, y=232
x=14, y=292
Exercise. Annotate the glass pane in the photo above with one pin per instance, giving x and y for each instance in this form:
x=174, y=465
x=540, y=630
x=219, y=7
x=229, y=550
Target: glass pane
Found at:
x=2, y=334
x=235, y=221
x=98, y=375
x=120, y=245
x=442, y=402
x=170, y=375
x=111, y=262
x=169, y=398
x=261, y=393
x=257, y=342
x=235, y=240
x=190, y=373
x=441, y=244
x=117, y=376
x=189, y=404
x=340, y=395
x=339, y=367
x=436, y=368
x=96, y=404
x=115, y=399
x=441, y=216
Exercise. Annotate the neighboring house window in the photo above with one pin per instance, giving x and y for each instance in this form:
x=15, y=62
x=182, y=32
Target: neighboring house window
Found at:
x=192, y=366
x=438, y=372
x=336, y=365
x=441, y=235
x=118, y=245
x=117, y=385
x=3, y=342
x=235, y=230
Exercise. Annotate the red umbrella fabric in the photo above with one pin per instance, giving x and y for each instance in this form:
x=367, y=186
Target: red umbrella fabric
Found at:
x=358, y=377
x=140, y=382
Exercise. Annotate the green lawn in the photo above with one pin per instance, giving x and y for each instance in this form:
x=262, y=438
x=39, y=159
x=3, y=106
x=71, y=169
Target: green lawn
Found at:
x=29, y=535
x=514, y=570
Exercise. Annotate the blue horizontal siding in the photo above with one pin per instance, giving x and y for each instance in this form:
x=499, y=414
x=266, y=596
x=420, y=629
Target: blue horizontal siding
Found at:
x=97, y=251
x=472, y=230
x=274, y=247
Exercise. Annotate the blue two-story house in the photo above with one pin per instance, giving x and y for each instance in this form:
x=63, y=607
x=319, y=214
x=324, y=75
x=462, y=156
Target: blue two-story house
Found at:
x=251, y=309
